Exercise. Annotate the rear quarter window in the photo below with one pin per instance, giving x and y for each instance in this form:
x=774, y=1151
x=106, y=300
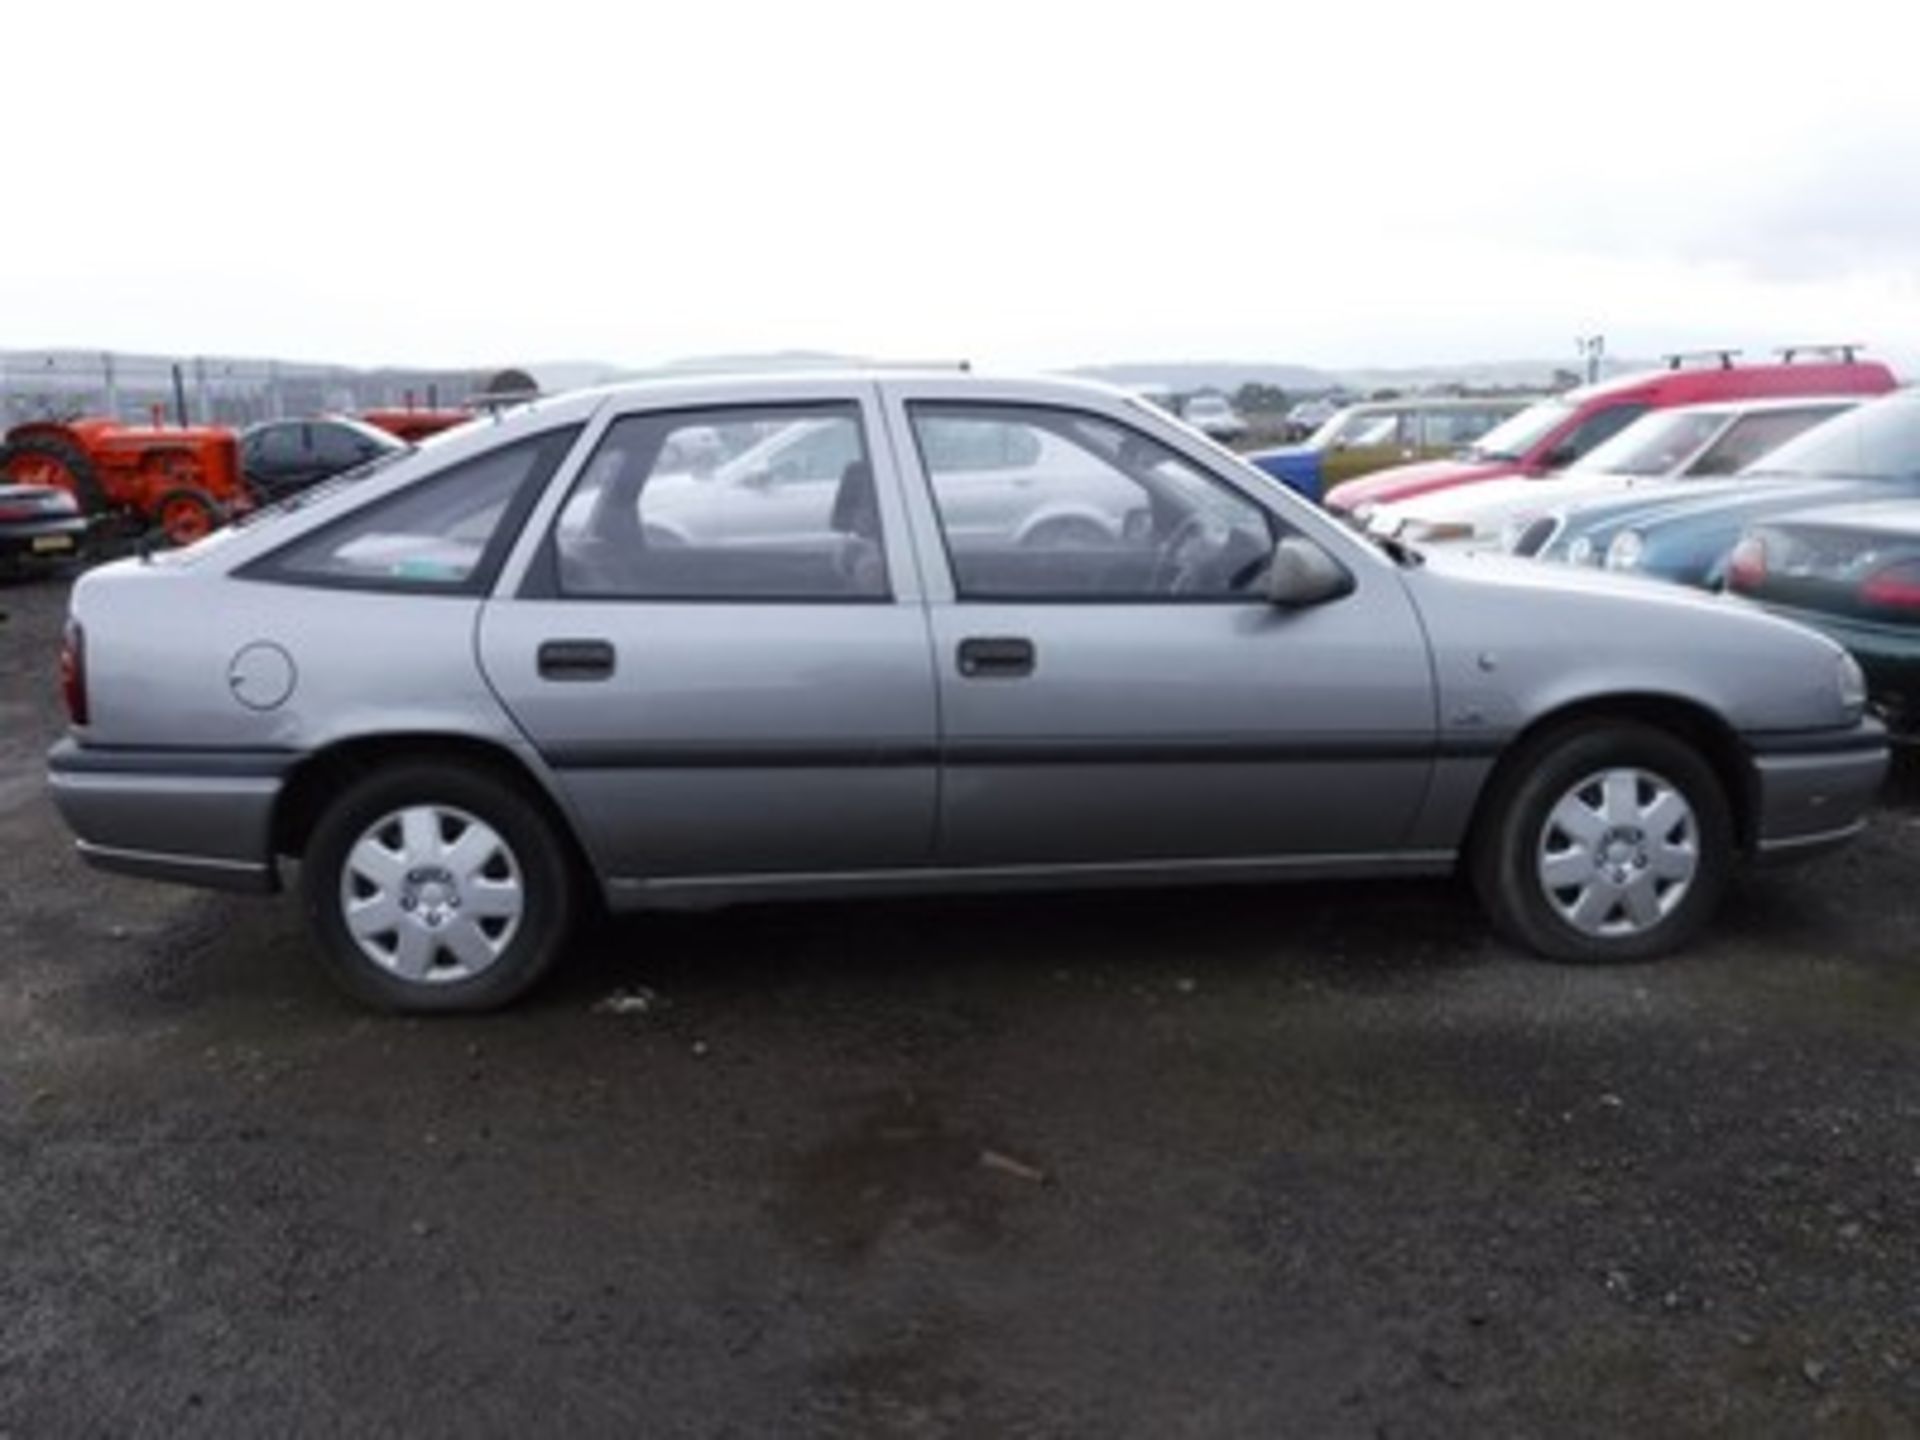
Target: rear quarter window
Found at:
x=445, y=534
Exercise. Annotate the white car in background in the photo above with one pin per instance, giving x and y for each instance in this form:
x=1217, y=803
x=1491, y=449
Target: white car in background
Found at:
x=1665, y=447
x=1214, y=417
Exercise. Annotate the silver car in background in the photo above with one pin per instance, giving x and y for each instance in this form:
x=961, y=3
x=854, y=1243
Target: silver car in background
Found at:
x=512, y=672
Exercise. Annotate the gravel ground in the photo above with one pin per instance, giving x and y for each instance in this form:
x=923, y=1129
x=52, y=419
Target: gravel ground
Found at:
x=1313, y=1161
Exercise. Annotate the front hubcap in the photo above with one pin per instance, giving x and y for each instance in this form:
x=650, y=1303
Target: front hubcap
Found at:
x=432, y=894
x=1618, y=853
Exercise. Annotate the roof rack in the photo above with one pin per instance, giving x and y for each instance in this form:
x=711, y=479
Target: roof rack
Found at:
x=1677, y=360
x=1844, y=352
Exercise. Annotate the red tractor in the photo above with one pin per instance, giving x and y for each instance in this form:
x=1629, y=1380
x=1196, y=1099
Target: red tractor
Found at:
x=184, y=480
x=411, y=425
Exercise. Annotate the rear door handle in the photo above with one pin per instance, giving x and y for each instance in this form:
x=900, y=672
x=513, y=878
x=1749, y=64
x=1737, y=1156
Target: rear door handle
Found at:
x=576, y=660
x=996, y=656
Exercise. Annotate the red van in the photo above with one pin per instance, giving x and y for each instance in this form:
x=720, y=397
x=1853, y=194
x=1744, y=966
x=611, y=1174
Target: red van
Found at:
x=1554, y=433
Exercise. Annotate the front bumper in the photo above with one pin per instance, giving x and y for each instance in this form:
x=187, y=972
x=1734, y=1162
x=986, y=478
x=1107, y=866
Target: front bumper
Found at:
x=194, y=817
x=1812, y=789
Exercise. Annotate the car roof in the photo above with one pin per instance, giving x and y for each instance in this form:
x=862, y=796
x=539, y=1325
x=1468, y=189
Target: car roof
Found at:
x=1751, y=406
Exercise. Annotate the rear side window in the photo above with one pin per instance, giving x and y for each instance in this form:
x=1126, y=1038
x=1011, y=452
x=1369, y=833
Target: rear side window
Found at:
x=753, y=503
x=1593, y=430
x=1754, y=436
x=445, y=535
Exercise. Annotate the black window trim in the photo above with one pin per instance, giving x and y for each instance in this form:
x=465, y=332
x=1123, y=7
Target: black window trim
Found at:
x=541, y=580
x=479, y=581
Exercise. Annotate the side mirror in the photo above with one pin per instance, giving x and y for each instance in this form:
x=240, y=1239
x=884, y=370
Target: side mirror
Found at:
x=1559, y=458
x=1302, y=574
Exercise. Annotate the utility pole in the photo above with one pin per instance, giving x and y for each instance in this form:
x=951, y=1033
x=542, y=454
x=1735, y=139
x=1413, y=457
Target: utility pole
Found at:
x=1591, y=349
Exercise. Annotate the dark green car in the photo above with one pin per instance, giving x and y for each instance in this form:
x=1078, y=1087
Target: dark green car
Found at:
x=1852, y=571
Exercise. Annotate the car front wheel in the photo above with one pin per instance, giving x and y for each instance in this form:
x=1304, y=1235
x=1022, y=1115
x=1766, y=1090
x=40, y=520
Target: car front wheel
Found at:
x=436, y=888
x=1611, y=841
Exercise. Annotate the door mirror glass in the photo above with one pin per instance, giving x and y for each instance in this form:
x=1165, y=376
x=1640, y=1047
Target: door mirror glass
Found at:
x=1302, y=574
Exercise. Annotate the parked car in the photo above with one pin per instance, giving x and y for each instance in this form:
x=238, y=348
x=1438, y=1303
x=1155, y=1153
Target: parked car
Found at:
x=1853, y=572
x=1214, y=416
x=1689, y=442
x=1871, y=453
x=1554, y=433
x=1377, y=433
x=38, y=524
x=1307, y=416
x=1230, y=686
x=280, y=457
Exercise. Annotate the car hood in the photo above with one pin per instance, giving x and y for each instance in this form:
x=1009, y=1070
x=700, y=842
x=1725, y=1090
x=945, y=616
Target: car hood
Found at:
x=1897, y=520
x=1488, y=503
x=1703, y=501
x=1402, y=482
x=1280, y=452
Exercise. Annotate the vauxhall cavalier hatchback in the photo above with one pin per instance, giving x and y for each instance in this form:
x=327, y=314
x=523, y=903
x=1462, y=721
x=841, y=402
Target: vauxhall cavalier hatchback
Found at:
x=722, y=639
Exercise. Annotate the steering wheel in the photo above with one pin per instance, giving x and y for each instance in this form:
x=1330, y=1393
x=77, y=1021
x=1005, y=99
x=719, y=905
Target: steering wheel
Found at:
x=1172, y=573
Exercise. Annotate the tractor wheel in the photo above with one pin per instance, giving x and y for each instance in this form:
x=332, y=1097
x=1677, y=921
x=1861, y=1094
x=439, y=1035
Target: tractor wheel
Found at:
x=185, y=516
x=43, y=460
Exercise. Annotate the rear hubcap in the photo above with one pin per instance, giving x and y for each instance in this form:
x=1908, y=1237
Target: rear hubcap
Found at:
x=432, y=894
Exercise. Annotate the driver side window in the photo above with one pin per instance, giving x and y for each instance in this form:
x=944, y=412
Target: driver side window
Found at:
x=1036, y=503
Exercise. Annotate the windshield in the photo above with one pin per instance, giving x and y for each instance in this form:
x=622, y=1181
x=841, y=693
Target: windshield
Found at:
x=1512, y=439
x=1656, y=444
x=1879, y=441
x=1346, y=427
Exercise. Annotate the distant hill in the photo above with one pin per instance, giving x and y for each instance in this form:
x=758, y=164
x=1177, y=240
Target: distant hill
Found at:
x=1227, y=375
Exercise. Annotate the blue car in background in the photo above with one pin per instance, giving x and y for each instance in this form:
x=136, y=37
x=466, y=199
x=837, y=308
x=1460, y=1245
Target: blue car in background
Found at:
x=1379, y=433
x=1872, y=453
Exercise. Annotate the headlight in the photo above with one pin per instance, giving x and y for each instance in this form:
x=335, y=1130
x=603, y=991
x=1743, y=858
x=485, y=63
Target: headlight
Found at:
x=1853, y=685
x=1580, y=550
x=1625, y=551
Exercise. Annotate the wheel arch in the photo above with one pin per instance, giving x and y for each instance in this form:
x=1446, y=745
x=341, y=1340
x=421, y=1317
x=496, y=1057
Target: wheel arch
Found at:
x=1686, y=720
x=325, y=773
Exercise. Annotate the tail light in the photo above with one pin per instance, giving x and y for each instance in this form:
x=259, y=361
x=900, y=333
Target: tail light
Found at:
x=1747, y=566
x=16, y=512
x=1897, y=587
x=73, y=672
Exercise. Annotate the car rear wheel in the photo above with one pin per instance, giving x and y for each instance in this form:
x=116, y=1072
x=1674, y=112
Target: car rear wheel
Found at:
x=435, y=888
x=1611, y=841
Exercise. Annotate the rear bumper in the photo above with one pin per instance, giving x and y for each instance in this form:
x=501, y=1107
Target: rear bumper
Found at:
x=58, y=537
x=187, y=816
x=1812, y=790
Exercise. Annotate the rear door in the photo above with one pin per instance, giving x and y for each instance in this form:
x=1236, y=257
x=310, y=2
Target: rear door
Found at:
x=726, y=689
x=1119, y=690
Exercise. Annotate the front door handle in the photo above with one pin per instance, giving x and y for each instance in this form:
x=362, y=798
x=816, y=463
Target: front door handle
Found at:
x=576, y=660
x=996, y=657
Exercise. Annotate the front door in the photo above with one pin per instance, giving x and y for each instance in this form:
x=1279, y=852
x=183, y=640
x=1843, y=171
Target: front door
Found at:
x=724, y=696
x=1114, y=686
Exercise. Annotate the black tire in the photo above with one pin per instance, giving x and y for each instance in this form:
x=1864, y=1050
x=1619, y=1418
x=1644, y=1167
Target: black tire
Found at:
x=174, y=505
x=1512, y=841
x=86, y=480
x=539, y=858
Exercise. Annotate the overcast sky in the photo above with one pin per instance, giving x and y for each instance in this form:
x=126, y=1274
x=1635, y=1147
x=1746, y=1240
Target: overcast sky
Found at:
x=1027, y=184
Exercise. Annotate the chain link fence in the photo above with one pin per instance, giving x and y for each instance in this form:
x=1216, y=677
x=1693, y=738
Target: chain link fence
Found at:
x=64, y=384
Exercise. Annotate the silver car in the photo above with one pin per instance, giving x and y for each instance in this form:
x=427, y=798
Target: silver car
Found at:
x=503, y=675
